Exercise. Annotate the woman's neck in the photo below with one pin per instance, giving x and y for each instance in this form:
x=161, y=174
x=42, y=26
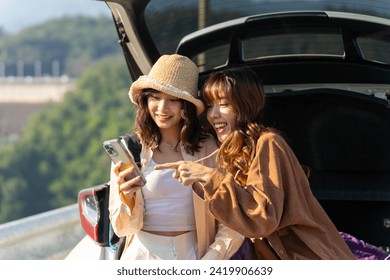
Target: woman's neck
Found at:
x=169, y=148
x=170, y=137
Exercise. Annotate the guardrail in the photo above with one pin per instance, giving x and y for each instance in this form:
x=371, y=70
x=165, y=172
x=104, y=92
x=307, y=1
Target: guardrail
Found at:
x=46, y=236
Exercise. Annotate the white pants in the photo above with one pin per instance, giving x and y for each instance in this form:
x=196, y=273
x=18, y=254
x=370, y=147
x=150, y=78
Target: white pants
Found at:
x=147, y=246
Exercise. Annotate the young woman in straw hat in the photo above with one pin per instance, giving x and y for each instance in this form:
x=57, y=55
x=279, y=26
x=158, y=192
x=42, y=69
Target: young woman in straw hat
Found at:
x=163, y=219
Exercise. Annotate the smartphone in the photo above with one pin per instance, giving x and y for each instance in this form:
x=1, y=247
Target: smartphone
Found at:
x=117, y=150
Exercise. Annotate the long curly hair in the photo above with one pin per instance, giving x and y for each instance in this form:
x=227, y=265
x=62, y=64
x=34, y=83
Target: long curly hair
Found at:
x=245, y=93
x=191, y=134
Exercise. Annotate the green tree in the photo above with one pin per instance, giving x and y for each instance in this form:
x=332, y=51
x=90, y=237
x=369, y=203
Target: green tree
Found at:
x=61, y=151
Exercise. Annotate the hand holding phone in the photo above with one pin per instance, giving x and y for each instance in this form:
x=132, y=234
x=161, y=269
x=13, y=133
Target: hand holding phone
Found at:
x=117, y=150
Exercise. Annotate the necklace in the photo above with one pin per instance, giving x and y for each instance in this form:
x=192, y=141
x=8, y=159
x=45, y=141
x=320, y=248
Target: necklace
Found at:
x=171, y=147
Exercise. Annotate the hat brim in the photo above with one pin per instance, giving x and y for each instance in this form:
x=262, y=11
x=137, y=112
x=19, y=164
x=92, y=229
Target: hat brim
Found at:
x=144, y=82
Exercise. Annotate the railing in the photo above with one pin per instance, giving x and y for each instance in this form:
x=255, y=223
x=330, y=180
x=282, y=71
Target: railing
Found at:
x=47, y=236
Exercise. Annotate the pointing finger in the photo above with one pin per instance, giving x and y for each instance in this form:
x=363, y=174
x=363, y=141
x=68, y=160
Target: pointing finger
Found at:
x=171, y=165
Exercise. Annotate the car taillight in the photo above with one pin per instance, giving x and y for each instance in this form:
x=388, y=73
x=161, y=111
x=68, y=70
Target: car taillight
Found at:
x=93, y=210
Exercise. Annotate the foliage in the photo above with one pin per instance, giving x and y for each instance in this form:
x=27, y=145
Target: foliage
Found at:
x=61, y=149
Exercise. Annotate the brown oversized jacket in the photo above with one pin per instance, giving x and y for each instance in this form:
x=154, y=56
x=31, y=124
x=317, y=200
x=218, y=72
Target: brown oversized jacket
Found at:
x=277, y=206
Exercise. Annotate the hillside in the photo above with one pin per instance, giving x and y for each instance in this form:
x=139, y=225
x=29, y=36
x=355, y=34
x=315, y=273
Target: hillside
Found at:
x=59, y=150
x=72, y=44
x=63, y=46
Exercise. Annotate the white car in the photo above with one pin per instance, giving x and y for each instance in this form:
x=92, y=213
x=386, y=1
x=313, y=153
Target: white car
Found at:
x=326, y=70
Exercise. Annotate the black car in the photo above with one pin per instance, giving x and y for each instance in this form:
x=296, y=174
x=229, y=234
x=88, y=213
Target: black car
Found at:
x=326, y=70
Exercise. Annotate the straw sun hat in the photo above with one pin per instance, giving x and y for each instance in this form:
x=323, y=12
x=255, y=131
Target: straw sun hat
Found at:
x=175, y=75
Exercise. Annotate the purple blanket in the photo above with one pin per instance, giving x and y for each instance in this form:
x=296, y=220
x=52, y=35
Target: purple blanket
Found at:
x=363, y=250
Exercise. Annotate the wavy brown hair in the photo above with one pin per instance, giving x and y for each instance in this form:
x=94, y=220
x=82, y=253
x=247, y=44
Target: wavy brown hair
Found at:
x=245, y=93
x=191, y=134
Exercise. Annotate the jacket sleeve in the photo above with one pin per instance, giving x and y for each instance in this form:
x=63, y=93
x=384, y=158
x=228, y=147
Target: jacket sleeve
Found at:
x=249, y=209
x=227, y=242
x=126, y=213
x=223, y=242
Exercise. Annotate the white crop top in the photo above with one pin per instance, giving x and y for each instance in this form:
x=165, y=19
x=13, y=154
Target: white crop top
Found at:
x=168, y=204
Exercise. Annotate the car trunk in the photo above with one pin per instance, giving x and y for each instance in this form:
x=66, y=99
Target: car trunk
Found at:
x=343, y=138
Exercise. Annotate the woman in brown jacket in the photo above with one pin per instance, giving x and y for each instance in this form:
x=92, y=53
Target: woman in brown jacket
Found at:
x=259, y=188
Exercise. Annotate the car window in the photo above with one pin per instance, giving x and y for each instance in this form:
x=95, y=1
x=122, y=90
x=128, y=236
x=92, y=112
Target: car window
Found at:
x=374, y=50
x=294, y=42
x=216, y=57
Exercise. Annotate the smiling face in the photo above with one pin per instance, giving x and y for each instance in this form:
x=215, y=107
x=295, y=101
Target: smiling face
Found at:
x=234, y=99
x=165, y=111
x=221, y=116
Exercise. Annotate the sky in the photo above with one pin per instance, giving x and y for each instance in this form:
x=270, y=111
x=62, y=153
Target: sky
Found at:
x=18, y=14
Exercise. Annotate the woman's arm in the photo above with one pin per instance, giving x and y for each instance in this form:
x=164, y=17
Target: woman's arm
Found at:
x=254, y=210
x=188, y=172
x=126, y=207
x=226, y=244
